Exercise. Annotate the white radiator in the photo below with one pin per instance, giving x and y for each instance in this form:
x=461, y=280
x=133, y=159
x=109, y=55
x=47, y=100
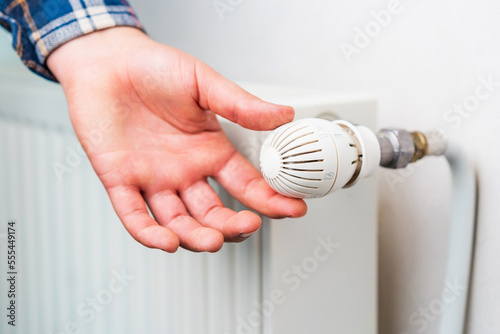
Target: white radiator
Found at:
x=78, y=271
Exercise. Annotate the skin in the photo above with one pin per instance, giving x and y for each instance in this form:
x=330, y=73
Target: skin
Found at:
x=145, y=115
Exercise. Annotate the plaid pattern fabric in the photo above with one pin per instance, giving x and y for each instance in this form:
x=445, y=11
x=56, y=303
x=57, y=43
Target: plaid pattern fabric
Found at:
x=40, y=26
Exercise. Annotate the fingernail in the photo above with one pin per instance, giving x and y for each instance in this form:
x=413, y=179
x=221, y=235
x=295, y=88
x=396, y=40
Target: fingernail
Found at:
x=245, y=235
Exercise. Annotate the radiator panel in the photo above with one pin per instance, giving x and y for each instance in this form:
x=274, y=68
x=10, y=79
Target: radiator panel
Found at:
x=72, y=246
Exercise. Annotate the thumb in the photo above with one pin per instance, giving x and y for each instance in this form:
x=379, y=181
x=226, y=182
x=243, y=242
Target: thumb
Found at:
x=232, y=102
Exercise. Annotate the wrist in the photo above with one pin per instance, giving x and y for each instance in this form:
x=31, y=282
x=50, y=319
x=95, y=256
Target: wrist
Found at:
x=93, y=53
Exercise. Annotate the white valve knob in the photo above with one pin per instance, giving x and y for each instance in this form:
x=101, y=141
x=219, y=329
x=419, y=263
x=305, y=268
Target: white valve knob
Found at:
x=313, y=157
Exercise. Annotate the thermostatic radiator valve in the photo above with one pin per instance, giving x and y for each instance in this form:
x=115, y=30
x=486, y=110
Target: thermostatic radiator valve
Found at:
x=313, y=157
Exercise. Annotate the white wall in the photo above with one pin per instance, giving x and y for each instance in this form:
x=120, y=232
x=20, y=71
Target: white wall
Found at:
x=426, y=60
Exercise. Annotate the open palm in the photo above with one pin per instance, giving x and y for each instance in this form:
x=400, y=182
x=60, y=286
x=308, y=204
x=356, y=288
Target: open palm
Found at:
x=154, y=108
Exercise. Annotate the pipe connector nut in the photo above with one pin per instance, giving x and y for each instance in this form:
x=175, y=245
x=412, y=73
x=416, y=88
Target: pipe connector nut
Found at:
x=397, y=148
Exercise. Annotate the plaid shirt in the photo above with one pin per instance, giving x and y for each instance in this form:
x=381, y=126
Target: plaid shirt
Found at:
x=40, y=26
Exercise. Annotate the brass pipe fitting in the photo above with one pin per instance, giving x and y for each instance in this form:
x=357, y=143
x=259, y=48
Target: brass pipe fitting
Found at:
x=399, y=147
x=421, y=146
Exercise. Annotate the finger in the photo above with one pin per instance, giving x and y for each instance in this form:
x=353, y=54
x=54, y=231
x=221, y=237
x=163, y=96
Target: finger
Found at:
x=245, y=183
x=132, y=211
x=230, y=101
x=206, y=207
x=170, y=212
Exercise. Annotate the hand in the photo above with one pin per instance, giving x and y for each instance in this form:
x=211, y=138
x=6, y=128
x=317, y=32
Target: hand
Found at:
x=145, y=115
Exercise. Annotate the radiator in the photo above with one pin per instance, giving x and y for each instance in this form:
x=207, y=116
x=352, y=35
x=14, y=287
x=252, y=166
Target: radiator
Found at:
x=78, y=271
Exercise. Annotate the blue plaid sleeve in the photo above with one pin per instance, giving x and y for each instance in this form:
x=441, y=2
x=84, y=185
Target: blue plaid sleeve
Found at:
x=39, y=26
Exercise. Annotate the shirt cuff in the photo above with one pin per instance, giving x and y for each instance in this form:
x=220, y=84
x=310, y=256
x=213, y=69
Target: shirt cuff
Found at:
x=35, y=37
